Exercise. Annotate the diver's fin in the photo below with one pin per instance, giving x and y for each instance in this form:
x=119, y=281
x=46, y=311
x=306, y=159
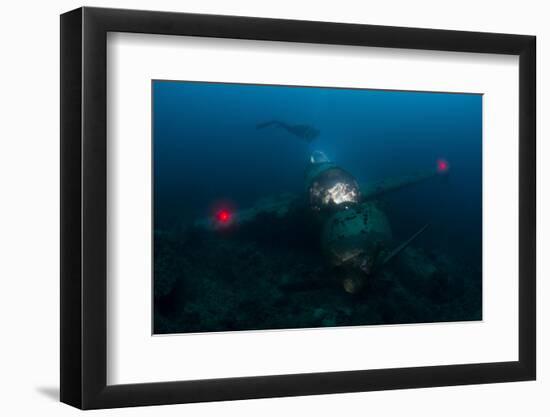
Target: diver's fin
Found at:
x=267, y=124
x=403, y=245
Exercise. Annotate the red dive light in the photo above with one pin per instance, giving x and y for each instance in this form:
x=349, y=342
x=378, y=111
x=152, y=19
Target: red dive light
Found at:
x=442, y=166
x=223, y=216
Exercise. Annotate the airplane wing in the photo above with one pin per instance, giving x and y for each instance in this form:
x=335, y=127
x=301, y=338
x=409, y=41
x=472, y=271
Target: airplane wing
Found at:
x=277, y=205
x=377, y=189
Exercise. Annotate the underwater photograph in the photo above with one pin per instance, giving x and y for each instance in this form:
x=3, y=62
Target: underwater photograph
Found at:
x=295, y=207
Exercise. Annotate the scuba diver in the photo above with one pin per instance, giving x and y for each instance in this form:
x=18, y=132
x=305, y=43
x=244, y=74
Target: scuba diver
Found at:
x=304, y=132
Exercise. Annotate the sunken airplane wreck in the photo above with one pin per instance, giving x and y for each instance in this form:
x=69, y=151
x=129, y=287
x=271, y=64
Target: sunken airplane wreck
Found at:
x=354, y=232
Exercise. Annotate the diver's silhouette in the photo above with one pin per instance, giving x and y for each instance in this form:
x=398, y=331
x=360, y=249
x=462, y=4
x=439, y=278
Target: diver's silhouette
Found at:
x=304, y=132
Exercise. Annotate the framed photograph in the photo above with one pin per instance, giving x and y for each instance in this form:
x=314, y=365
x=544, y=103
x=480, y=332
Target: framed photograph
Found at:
x=257, y=208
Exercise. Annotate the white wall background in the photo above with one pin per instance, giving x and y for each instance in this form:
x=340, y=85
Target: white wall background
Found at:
x=29, y=209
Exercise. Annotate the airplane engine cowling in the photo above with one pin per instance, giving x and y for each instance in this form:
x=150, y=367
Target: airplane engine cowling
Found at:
x=359, y=230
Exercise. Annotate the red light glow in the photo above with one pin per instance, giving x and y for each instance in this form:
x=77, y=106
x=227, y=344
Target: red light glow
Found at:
x=442, y=166
x=223, y=216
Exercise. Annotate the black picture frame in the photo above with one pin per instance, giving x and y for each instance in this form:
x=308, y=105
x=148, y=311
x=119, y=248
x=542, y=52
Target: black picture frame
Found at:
x=84, y=223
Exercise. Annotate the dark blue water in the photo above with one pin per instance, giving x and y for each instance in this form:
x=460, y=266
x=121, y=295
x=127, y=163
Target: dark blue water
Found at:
x=207, y=149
